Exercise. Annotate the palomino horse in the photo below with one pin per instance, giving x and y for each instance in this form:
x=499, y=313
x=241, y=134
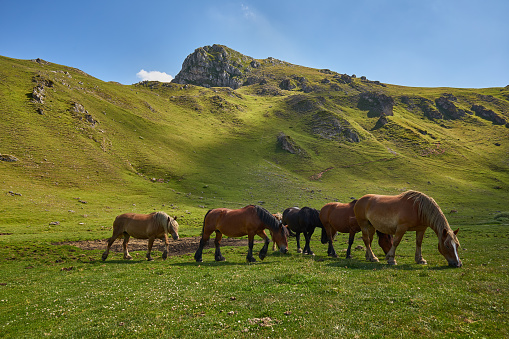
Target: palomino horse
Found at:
x=409, y=211
x=250, y=220
x=338, y=217
x=143, y=226
x=302, y=220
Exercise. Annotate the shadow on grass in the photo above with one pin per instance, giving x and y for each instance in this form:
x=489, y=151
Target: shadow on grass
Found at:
x=370, y=266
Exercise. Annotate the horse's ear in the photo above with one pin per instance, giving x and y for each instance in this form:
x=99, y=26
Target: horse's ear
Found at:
x=175, y=218
x=456, y=232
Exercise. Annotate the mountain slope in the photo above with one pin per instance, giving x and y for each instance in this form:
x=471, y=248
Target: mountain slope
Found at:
x=189, y=147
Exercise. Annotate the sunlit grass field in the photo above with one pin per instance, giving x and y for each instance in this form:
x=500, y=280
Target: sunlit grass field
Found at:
x=63, y=291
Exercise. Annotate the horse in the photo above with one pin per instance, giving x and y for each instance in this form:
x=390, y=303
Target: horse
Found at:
x=143, y=226
x=408, y=211
x=251, y=220
x=339, y=217
x=302, y=220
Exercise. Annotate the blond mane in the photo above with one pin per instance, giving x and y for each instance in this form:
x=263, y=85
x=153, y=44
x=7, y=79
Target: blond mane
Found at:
x=429, y=211
x=161, y=218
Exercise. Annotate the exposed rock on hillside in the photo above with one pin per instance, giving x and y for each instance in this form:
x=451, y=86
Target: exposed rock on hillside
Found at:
x=488, y=114
x=215, y=66
x=381, y=122
x=446, y=106
x=82, y=114
x=376, y=103
x=330, y=127
x=286, y=143
x=8, y=158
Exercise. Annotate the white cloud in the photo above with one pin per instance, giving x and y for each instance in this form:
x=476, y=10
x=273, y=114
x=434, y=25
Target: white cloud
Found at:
x=154, y=76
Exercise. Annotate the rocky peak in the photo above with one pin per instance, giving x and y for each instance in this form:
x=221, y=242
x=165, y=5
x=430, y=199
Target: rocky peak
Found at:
x=215, y=66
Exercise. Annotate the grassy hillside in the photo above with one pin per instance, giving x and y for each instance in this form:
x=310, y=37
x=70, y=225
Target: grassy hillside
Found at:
x=88, y=150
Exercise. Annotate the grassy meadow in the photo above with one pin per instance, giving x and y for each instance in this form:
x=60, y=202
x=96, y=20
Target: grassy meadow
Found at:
x=187, y=149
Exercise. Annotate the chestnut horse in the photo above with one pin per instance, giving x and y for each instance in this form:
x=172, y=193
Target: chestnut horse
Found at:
x=302, y=220
x=143, y=226
x=409, y=211
x=251, y=220
x=338, y=217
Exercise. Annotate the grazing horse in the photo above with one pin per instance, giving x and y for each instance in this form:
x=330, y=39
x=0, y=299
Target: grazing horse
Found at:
x=143, y=226
x=251, y=220
x=338, y=217
x=302, y=220
x=409, y=211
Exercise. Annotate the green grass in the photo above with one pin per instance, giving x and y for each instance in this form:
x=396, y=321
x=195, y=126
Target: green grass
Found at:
x=64, y=291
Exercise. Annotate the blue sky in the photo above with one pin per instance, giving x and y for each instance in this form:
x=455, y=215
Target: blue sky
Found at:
x=428, y=43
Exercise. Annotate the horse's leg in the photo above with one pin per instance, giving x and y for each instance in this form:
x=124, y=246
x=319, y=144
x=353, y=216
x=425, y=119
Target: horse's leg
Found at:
x=150, y=244
x=400, y=231
x=351, y=238
x=204, y=238
x=331, y=252
x=250, y=241
x=307, y=236
x=263, y=251
x=217, y=242
x=367, y=235
x=126, y=252
x=419, y=235
x=166, y=246
x=297, y=237
x=110, y=242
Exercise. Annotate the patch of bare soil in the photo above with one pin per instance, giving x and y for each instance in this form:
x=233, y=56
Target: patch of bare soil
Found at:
x=177, y=247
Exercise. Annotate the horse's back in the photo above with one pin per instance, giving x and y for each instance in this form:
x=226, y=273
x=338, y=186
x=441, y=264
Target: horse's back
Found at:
x=309, y=218
x=231, y=222
x=385, y=212
x=136, y=225
x=290, y=217
x=339, y=216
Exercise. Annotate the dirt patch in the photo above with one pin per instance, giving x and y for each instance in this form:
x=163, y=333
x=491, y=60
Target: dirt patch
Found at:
x=178, y=247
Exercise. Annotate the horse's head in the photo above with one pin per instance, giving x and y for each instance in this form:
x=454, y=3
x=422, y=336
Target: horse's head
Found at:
x=173, y=227
x=448, y=245
x=281, y=238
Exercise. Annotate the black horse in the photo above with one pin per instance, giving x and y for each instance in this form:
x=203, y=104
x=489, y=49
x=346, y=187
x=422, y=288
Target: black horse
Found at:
x=302, y=220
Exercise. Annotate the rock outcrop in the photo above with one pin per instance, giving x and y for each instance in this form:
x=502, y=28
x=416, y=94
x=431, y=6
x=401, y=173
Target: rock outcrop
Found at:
x=446, y=106
x=488, y=114
x=215, y=66
x=286, y=143
x=376, y=103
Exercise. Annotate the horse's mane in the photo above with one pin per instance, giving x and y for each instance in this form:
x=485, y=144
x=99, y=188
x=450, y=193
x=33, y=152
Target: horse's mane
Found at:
x=267, y=218
x=429, y=211
x=161, y=218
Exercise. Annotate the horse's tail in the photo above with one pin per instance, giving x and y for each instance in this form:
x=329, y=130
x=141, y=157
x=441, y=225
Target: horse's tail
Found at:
x=267, y=218
x=204, y=218
x=325, y=237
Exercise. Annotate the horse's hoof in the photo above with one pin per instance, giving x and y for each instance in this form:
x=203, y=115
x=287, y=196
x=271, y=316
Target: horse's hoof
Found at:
x=374, y=259
x=251, y=259
x=165, y=255
x=150, y=259
x=199, y=260
x=128, y=258
x=422, y=262
x=349, y=257
x=299, y=250
x=393, y=262
x=104, y=256
x=333, y=255
x=221, y=258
